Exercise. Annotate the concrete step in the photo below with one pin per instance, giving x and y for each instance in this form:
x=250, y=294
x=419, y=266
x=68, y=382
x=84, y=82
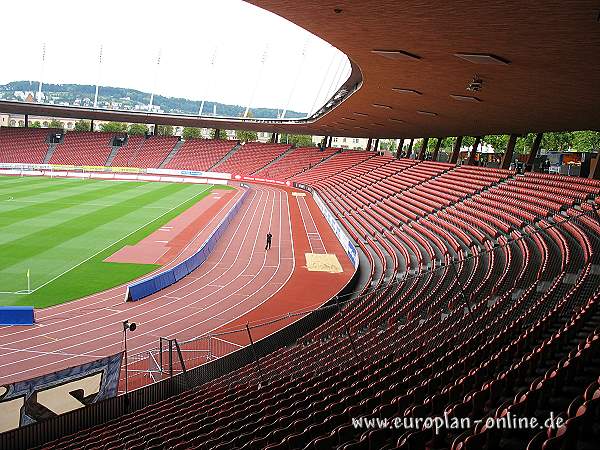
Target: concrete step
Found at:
x=229, y=154
x=113, y=153
x=266, y=166
x=171, y=154
x=50, y=152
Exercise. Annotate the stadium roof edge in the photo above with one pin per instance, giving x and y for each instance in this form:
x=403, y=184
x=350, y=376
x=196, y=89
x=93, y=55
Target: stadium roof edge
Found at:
x=462, y=68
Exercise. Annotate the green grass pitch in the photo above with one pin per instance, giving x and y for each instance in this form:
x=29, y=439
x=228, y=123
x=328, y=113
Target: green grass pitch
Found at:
x=61, y=230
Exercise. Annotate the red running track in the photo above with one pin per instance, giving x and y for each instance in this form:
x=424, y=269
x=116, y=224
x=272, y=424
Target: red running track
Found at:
x=238, y=277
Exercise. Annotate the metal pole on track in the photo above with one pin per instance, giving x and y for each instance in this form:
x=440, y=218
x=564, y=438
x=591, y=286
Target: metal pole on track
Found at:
x=262, y=380
x=337, y=302
x=462, y=293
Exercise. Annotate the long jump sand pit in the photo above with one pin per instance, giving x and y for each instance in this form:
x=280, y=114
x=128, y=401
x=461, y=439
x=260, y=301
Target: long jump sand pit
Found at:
x=165, y=243
x=323, y=262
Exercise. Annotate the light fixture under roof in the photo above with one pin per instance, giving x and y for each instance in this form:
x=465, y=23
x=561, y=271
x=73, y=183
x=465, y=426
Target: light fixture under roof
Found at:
x=482, y=58
x=362, y=128
x=465, y=98
x=392, y=119
x=377, y=124
x=348, y=118
x=379, y=105
x=360, y=114
x=407, y=91
x=396, y=54
x=426, y=113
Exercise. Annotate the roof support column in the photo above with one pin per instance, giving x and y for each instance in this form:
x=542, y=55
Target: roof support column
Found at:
x=510, y=151
x=399, y=149
x=533, y=152
x=436, y=150
x=376, y=146
x=328, y=141
x=424, y=143
x=92, y=125
x=456, y=150
x=217, y=133
x=409, y=149
x=473, y=153
x=595, y=171
x=369, y=143
x=26, y=120
x=155, y=129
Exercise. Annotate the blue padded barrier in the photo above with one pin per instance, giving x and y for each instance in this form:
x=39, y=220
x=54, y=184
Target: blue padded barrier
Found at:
x=141, y=289
x=180, y=271
x=16, y=315
x=155, y=283
x=164, y=280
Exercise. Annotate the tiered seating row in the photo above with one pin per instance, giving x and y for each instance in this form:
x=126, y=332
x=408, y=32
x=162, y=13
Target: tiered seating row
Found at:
x=23, y=145
x=251, y=157
x=200, y=154
x=298, y=160
x=83, y=148
x=144, y=152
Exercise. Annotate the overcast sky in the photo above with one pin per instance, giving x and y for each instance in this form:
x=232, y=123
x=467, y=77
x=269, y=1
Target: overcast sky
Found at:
x=187, y=34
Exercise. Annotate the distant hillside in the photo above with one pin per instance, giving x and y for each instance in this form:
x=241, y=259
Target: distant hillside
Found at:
x=130, y=99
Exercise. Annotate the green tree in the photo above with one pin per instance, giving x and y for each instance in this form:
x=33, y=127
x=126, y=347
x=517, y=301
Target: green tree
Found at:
x=246, y=136
x=137, y=129
x=558, y=141
x=498, y=141
x=83, y=125
x=114, y=127
x=35, y=124
x=468, y=141
x=586, y=141
x=298, y=140
x=524, y=143
x=192, y=133
x=55, y=124
x=222, y=134
x=165, y=130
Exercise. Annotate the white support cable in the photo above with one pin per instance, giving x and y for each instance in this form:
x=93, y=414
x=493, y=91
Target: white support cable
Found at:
x=298, y=73
x=337, y=75
x=211, y=79
x=98, y=79
x=344, y=74
x=39, y=95
x=155, y=80
x=325, y=77
x=258, y=78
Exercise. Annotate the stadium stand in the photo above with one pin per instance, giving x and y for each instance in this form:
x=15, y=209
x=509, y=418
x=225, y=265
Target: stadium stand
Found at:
x=83, y=148
x=251, y=157
x=298, y=160
x=338, y=163
x=200, y=154
x=23, y=145
x=144, y=152
x=482, y=301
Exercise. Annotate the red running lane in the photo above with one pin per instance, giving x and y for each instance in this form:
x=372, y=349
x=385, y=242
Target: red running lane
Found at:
x=240, y=282
x=238, y=276
x=305, y=290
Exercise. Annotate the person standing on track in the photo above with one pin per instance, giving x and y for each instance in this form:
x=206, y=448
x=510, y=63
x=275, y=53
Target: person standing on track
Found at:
x=269, y=238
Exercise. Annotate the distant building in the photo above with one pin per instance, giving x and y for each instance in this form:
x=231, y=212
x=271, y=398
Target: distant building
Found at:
x=344, y=142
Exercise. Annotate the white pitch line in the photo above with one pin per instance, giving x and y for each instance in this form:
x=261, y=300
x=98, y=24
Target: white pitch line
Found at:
x=113, y=243
x=100, y=205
